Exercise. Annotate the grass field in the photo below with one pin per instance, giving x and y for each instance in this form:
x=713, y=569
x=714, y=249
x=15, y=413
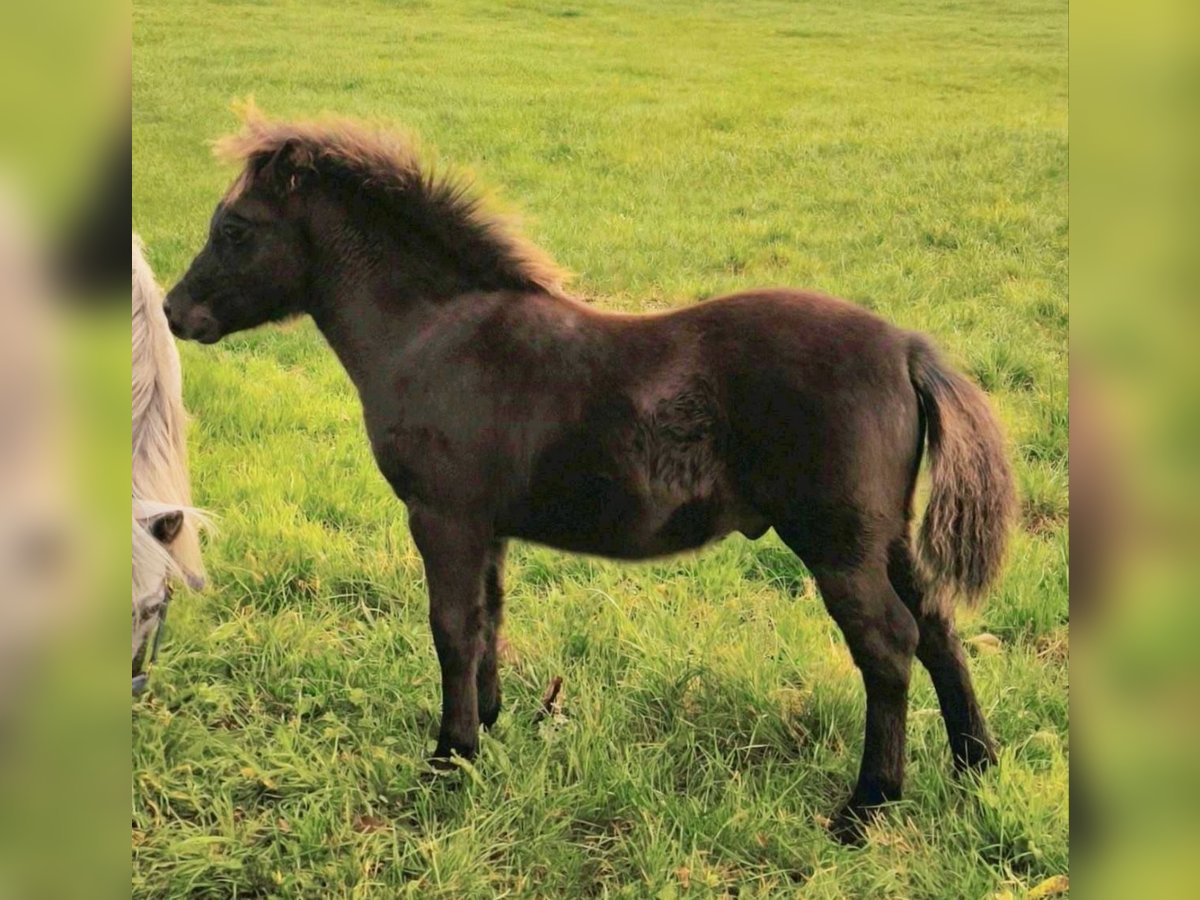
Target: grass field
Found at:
x=907, y=154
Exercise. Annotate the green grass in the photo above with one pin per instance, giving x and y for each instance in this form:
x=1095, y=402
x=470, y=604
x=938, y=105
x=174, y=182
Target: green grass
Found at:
x=908, y=155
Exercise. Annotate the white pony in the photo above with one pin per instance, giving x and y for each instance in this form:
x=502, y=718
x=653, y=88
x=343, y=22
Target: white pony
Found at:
x=166, y=540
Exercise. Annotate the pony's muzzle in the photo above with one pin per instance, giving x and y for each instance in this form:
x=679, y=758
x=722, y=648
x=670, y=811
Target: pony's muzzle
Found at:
x=189, y=320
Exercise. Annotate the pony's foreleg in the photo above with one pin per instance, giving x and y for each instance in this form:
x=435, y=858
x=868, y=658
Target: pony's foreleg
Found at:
x=487, y=679
x=456, y=556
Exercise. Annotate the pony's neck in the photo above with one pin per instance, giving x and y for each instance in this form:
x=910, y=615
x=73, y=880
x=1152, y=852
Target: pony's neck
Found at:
x=435, y=251
x=366, y=317
x=374, y=295
x=386, y=279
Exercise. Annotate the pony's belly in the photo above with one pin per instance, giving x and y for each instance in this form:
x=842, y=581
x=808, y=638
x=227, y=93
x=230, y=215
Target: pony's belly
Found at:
x=623, y=526
x=651, y=484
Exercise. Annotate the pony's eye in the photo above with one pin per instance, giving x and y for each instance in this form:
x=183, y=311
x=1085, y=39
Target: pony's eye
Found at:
x=234, y=232
x=149, y=610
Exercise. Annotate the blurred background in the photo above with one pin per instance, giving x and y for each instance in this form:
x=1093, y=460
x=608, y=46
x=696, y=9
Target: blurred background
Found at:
x=1134, y=428
x=64, y=460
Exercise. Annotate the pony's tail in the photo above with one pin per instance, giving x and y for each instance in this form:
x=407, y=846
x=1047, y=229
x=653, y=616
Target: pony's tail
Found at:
x=961, y=544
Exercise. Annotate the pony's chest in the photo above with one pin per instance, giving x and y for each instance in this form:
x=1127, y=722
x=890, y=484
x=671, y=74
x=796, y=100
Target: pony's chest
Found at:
x=417, y=460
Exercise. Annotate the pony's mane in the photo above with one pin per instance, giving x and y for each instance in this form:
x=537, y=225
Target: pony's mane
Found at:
x=160, y=472
x=389, y=164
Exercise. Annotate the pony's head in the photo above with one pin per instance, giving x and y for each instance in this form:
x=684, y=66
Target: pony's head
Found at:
x=156, y=527
x=254, y=267
x=315, y=200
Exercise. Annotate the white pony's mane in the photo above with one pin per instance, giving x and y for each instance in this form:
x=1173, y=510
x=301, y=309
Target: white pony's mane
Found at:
x=160, y=473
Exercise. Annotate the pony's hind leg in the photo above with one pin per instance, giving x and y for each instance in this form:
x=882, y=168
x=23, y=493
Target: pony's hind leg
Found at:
x=882, y=637
x=487, y=679
x=941, y=652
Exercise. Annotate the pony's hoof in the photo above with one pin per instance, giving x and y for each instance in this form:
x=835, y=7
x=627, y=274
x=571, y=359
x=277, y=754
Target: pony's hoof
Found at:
x=975, y=757
x=489, y=714
x=435, y=775
x=849, y=826
x=446, y=758
x=848, y=829
x=442, y=765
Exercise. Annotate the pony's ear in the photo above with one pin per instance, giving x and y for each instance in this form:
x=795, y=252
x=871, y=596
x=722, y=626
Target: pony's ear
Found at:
x=165, y=526
x=281, y=169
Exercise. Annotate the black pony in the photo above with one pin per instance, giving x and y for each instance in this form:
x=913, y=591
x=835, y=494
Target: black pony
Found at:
x=499, y=407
